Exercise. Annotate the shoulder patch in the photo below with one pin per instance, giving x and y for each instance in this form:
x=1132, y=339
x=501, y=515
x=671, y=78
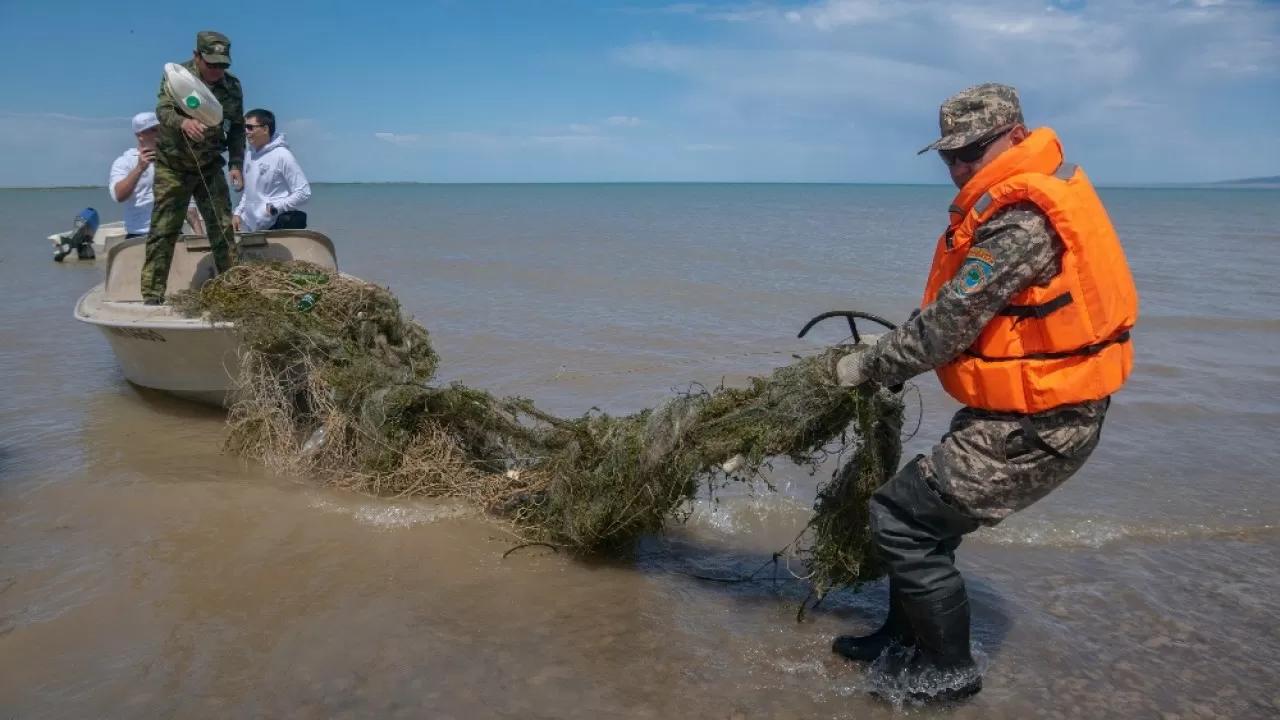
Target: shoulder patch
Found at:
x=983, y=255
x=974, y=275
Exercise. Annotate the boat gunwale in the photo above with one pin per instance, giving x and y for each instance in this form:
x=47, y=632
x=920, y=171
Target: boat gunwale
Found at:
x=180, y=323
x=169, y=323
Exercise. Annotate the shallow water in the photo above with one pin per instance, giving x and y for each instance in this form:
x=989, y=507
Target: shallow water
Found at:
x=144, y=573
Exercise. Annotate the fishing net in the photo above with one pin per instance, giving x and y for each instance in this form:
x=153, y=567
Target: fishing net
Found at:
x=337, y=384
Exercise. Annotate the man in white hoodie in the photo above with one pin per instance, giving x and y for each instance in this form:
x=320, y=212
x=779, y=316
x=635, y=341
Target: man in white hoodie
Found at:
x=132, y=175
x=274, y=186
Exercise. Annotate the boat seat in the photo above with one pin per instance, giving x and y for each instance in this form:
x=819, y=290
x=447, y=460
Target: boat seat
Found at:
x=193, y=261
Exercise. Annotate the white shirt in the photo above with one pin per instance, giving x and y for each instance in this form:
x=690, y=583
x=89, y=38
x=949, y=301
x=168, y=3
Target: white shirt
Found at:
x=271, y=177
x=137, y=207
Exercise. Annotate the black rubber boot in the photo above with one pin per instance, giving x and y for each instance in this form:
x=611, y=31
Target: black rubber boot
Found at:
x=896, y=629
x=941, y=669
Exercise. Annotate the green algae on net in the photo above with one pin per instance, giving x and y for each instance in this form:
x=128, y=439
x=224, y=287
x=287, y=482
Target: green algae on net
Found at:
x=350, y=369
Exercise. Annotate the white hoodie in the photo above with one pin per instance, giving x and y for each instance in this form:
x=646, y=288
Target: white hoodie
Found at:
x=271, y=177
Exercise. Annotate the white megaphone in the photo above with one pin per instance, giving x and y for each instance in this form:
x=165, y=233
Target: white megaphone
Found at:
x=192, y=95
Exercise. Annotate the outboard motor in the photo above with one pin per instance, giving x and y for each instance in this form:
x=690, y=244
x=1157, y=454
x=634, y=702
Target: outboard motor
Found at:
x=80, y=239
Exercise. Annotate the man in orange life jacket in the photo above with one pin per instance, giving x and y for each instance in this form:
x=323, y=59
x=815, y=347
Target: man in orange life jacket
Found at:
x=1025, y=318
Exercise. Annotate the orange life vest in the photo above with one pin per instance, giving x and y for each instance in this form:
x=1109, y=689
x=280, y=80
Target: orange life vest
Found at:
x=1067, y=342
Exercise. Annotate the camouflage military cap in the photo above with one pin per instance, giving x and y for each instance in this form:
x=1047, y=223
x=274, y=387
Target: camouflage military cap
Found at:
x=214, y=47
x=974, y=114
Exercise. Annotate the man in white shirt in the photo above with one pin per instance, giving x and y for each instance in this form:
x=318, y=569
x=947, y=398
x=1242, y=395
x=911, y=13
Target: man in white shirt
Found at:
x=132, y=175
x=274, y=186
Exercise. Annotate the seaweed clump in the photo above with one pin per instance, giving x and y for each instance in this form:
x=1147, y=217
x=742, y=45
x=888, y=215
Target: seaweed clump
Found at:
x=335, y=383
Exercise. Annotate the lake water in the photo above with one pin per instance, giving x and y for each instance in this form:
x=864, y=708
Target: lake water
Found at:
x=144, y=573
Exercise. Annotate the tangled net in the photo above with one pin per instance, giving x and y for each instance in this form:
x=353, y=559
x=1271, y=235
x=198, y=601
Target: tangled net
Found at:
x=336, y=384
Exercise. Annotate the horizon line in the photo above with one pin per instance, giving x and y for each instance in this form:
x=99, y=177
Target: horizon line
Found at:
x=1226, y=184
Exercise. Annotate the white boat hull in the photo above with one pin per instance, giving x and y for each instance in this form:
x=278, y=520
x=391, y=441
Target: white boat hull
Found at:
x=160, y=349
x=183, y=357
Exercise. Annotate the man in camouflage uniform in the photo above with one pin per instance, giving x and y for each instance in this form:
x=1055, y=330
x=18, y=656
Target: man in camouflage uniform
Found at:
x=988, y=466
x=189, y=162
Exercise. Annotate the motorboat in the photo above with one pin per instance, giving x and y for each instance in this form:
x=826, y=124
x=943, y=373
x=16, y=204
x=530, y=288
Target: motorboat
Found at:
x=160, y=349
x=106, y=235
x=111, y=232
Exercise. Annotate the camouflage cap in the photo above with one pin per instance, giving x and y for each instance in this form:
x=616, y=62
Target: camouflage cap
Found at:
x=974, y=114
x=214, y=47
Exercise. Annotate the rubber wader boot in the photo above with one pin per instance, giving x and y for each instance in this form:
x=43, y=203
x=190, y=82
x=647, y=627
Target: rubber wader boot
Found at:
x=896, y=629
x=941, y=669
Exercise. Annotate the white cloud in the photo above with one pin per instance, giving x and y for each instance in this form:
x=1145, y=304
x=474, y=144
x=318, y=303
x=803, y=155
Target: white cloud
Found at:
x=455, y=140
x=577, y=135
x=622, y=121
x=830, y=89
x=85, y=120
x=834, y=14
x=401, y=139
x=796, y=82
x=1111, y=37
x=1126, y=70
x=60, y=149
x=570, y=137
x=674, y=9
x=574, y=139
x=747, y=12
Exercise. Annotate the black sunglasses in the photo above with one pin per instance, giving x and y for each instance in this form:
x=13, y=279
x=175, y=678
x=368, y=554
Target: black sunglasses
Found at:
x=971, y=152
x=248, y=126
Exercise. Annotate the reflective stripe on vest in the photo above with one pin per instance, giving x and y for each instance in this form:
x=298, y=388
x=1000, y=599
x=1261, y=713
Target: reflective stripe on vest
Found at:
x=1063, y=173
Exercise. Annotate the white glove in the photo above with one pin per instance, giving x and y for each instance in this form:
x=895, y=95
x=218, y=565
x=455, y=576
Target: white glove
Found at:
x=849, y=370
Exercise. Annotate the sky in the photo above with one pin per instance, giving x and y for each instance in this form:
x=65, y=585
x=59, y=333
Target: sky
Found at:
x=1140, y=91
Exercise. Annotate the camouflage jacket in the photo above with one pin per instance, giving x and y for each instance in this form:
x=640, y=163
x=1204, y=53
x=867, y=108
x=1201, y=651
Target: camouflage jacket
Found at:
x=1026, y=252
x=227, y=137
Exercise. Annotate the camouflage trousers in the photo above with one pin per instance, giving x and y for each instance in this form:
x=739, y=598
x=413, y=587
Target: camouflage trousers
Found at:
x=173, y=189
x=987, y=467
